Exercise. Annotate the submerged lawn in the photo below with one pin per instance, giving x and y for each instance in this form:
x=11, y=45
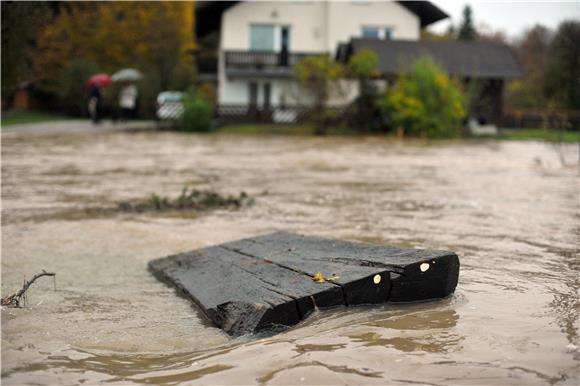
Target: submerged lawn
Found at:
x=280, y=129
x=264, y=128
x=14, y=117
x=306, y=129
x=19, y=116
x=540, y=135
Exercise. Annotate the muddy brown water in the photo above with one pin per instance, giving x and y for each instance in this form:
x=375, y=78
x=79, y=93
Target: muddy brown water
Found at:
x=509, y=209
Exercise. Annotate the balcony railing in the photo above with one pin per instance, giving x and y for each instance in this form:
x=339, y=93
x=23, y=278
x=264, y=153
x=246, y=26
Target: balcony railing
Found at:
x=264, y=61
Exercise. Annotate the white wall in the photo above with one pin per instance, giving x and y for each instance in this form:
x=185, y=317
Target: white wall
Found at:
x=305, y=19
x=307, y=34
x=236, y=91
x=316, y=26
x=346, y=19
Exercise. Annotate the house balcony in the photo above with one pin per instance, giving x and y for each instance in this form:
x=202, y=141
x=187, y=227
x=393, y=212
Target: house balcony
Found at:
x=263, y=64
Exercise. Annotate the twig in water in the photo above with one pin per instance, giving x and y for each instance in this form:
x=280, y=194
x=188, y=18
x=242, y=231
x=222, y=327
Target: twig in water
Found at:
x=14, y=299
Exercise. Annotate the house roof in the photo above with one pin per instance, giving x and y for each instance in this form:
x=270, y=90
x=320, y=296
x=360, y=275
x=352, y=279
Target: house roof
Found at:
x=209, y=13
x=428, y=12
x=469, y=59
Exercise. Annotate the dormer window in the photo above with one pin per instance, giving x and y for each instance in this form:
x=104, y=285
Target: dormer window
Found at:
x=373, y=32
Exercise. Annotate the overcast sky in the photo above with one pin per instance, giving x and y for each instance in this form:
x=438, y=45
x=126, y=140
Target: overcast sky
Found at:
x=512, y=17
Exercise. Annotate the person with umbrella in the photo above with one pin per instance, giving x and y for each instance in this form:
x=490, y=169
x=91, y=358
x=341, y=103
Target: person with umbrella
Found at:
x=94, y=85
x=128, y=94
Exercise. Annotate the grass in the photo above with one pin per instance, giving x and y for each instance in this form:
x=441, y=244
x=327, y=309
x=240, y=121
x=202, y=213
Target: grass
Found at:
x=308, y=130
x=260, y=129
x=19, y=116
x=279, y=129
x=539, y=135
x=16, y=117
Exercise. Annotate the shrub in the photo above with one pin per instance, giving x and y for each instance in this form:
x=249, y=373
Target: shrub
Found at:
x=197, y=113
x=425, y=102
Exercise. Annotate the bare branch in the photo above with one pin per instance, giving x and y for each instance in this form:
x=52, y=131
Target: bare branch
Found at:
x=14, y=299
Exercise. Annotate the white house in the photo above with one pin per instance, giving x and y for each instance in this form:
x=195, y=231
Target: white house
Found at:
x=259, y=42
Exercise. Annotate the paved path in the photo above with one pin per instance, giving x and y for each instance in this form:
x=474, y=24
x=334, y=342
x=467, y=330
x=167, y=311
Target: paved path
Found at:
x=76, y=126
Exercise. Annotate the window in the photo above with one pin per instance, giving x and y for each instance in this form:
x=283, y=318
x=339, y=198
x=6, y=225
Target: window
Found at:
x=370, y=32
x=262, y=37
x=385, y=33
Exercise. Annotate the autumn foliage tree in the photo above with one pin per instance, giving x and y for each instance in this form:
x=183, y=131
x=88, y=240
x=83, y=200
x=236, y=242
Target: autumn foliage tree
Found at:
x=154, y=37
x=550, y=61
x=532, y=50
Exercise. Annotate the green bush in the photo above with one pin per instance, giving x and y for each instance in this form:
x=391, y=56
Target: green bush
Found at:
x=425, y=102
x=197, y=113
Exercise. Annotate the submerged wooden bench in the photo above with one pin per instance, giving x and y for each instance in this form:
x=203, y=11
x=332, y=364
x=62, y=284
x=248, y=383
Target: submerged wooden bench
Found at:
x=268, y=281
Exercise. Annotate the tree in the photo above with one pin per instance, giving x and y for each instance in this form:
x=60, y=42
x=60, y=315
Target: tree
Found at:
x=434, y=36
x=319, y=75
x=363, y=67
x=485, y=33
x=466, y=29
x=21, y=23
x=155, y=37
x=532, y=50
x=425, y=102
x=562, y=81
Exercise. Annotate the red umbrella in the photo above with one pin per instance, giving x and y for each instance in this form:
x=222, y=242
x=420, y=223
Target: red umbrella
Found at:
x=102, y=80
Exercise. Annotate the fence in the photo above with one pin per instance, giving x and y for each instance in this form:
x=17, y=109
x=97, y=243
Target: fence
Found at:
x=243, y=113
x=535, y=118
x=232, y=113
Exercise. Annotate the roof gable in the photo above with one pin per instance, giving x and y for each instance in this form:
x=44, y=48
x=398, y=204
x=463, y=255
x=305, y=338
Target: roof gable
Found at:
x=209, y=13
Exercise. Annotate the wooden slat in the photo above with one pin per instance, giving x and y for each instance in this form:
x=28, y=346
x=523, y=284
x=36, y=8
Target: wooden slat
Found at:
x=242, y=294
x=267, y=281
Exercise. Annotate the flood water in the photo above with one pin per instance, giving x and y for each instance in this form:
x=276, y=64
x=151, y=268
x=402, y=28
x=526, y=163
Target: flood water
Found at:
x=509, y=209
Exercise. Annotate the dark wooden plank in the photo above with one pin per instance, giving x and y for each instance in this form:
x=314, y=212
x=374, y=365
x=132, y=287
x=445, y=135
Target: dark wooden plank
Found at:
x=418, y=274
x=241, y=294
x=259, y=283
x=361, y=284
